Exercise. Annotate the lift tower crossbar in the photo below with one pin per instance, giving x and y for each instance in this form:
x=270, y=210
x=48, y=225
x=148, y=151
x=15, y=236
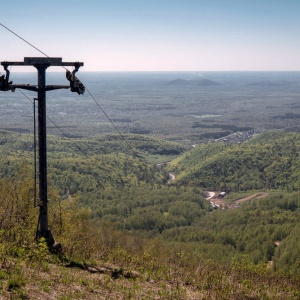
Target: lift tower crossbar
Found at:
x=41, y=64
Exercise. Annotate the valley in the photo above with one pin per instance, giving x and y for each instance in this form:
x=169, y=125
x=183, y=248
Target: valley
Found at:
x=137, y=206
x=146, y=103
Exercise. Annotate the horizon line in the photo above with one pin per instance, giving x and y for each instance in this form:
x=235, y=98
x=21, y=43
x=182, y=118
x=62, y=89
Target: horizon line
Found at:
x=160, y=71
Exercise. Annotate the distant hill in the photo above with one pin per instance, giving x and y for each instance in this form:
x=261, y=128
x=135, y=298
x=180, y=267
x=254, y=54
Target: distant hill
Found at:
x=194, y=82
x=269, y=161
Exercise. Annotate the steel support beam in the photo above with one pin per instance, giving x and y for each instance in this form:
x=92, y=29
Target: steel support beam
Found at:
x=50, y=61
x=42, y=150
x=41, y=64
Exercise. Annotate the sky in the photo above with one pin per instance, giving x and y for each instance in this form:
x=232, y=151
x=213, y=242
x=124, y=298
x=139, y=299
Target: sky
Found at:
x=156, y=35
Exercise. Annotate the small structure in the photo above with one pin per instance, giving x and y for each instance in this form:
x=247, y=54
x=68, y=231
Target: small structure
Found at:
x=222, y=194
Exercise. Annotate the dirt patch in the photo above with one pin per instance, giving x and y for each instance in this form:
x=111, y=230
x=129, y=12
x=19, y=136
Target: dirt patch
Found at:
x=254, y=196
x=218, y=202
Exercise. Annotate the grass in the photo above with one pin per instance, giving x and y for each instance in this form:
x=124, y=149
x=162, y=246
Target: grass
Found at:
x=157, y=276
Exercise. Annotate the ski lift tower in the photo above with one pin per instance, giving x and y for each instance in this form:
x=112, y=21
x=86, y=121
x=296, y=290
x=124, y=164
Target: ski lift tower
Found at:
x=41, y=64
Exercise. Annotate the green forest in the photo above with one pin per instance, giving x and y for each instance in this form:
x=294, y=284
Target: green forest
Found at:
x=268, y=161
x=113, y=209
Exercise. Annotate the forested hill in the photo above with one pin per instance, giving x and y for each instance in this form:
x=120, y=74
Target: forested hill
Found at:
x=84, y=165
x=104, y=144
x=268, y=161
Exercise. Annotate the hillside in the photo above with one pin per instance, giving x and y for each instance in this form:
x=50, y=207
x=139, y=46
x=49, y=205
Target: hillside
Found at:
x=269, y=161
x=125, y=232
x=101, y=262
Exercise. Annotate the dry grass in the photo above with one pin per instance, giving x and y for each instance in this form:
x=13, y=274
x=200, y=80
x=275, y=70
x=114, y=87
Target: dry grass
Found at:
x=51, y=281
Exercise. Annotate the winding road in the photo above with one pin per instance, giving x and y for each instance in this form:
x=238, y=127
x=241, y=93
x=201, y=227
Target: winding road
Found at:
x=171, y=177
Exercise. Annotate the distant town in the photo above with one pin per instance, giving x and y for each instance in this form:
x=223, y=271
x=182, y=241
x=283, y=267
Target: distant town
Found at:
x=237, y=137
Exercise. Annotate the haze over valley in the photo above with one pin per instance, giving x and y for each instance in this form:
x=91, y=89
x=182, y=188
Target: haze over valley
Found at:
x=184, y=107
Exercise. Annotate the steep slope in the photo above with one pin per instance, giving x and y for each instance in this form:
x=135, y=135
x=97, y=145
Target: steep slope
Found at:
x=101, y=262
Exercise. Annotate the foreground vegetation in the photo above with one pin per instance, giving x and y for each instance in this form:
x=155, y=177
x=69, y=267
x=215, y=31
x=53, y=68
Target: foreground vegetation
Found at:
x=101, y=262
x=127, y=234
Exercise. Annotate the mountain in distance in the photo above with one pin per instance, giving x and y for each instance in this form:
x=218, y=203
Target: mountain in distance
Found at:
x=194, y=82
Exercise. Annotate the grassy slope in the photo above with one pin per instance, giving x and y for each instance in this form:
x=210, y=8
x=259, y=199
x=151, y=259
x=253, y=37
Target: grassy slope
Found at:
x=103, y=263
x=169, y=280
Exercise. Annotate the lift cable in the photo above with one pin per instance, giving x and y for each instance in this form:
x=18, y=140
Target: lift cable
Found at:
x=27, y=42
x=24, y=40
x=112, y=123
x=34, y=154
x=66, y=135
x=35, y=168
x=135, y=152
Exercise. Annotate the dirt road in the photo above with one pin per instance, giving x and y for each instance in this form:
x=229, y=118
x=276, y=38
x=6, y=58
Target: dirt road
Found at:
x=220, y=202
x=254, y=196
x=171, y=177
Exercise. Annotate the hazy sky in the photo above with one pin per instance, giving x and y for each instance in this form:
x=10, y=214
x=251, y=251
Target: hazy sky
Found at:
x=156, y=35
